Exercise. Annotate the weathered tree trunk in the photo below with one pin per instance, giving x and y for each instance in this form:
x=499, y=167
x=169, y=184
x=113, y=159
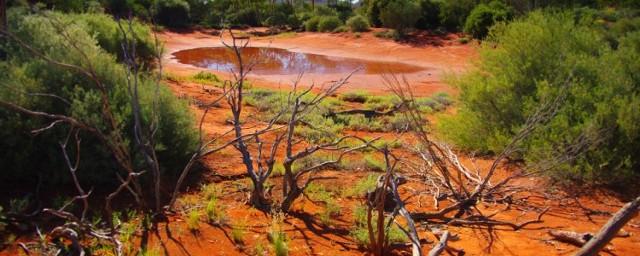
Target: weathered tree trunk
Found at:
x=610, y=230
x=257, y=198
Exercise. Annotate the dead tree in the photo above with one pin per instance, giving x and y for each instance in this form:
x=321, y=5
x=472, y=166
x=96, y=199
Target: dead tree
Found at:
x=260, y=164
x=449, y=179
x=378, y=203
x=610, y=229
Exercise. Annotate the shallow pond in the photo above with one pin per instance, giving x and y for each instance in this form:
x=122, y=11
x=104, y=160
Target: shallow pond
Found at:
x=275, y=61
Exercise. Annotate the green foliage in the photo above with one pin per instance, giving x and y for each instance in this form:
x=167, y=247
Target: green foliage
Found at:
x=173, y=13
x=453, y=13
x=278, y=237
x=524, y=72
x=429, y=11
x=483, y=16
x=358, y=24
x=23, y=73
x=237, y=234
x=360, y=231
x=373, y=164
x=373, y=9
x=362, y=186
x=193, y=221
x=110, y=37
x=329, y=23
x=312, y=23
x=318, y=193
x=400, y=15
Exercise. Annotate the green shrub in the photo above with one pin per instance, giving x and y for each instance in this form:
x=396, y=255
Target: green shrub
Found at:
x=483, y=16
x=341, y=29
x=513, y=80
x=429, y=11
x=453, y=13
x=109, y=36
x=173, y=13
x=312, y=24
x=193, y=221
x=175, y=135
x=237, y=234
x=329, y=23
x=358, y=24
x=400, y=15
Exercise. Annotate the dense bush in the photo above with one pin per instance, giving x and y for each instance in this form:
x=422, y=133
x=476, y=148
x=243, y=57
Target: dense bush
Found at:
x=373, y=9
x=329, y=23
x=453, y=13
x=173, y=13
x=38, y=156
x=312, y=23
x=358, y=24
x=537, y=59
x=484, y=16
x=429, y=11
x=109, y=36
x=400, y=15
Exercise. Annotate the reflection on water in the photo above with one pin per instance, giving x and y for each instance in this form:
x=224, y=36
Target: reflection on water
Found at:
x=274, y=61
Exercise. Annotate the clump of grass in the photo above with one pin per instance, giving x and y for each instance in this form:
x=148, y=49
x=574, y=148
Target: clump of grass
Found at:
x=362, y=186
x=215, y=212
x=361, y=123
x=317, y=192
x=372, y=163
x=381, y=143
x=277, y=237
x=360, y=231
x=355, y=96
x=193, y=221
x=237, y=234
x=381, y=103
x=260, y=250
x=205, y=77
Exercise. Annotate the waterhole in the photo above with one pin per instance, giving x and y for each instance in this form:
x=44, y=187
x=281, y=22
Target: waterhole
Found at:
x=275, y=61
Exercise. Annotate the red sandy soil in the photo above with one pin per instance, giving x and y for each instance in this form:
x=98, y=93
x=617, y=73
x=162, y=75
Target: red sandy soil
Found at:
x=308, y=236
x=439, y=55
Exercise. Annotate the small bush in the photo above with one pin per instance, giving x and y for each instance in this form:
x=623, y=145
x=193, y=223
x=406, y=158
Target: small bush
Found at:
x=483, y=16
x=400, y=15
x=388, y=34
x=358, y=24
x=311, y=24
x=193, y=221
x=355, y=96
x=277, y=236
x=173, y=13
x=206, y=77
x=237, y=234
x=341, y=29
x=329, y=23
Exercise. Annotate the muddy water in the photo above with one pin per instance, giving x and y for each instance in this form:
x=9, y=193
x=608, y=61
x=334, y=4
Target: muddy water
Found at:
x=275, y=61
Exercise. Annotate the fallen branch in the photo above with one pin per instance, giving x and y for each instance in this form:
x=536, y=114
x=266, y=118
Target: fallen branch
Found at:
x=442, y=244
x=610, y=230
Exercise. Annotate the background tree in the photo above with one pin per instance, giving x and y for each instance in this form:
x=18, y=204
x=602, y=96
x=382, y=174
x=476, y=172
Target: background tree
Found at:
x=400, y=15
